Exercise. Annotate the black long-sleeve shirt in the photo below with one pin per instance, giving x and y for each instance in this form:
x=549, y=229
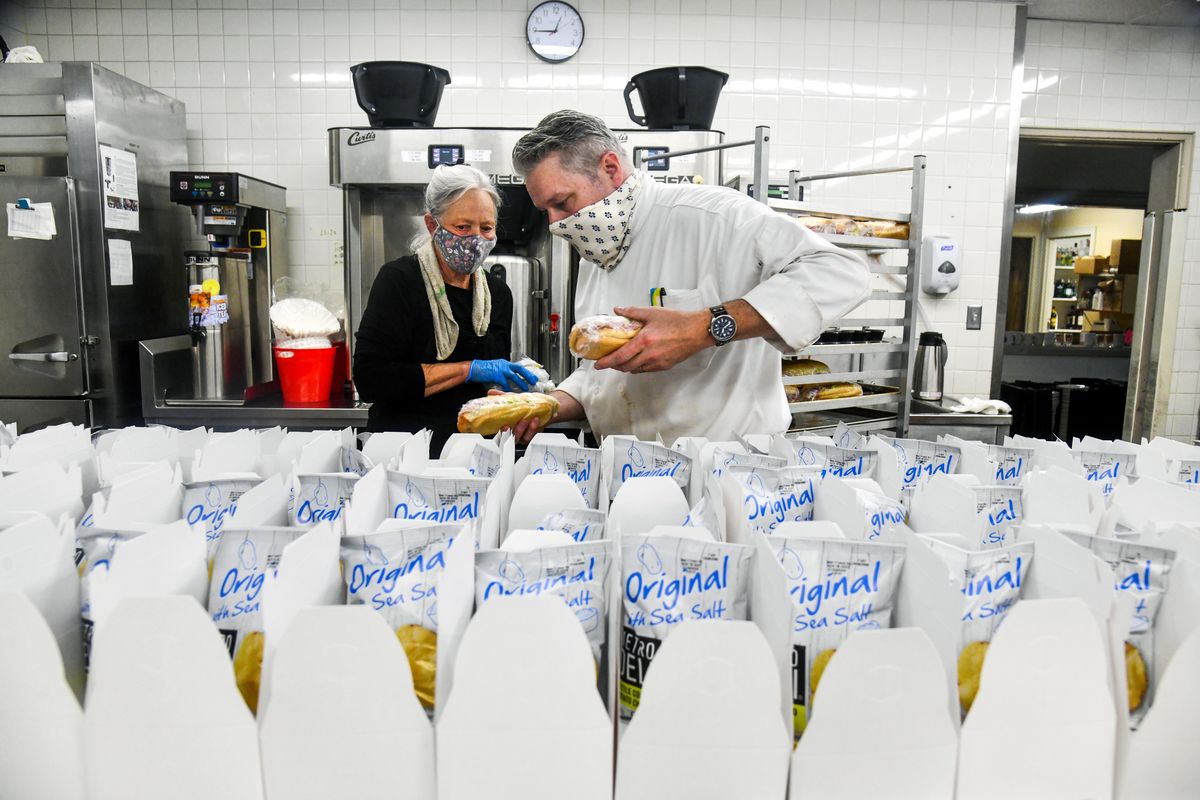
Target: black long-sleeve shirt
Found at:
x=396, y=337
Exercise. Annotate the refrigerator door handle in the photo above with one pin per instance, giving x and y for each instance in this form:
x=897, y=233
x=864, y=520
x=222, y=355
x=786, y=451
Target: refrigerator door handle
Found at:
x=61, y=355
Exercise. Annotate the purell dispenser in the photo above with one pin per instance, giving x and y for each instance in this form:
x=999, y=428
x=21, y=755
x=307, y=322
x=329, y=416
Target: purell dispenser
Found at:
x=940, y=265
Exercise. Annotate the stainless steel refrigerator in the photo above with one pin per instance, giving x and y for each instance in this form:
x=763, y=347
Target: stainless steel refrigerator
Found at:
x=90, y=150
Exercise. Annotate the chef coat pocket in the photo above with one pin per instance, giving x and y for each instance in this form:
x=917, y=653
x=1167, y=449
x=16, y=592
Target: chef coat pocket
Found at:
x=691, y=300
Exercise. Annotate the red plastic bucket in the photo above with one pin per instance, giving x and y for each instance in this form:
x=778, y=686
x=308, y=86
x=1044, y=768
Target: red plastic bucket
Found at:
x=305, y=375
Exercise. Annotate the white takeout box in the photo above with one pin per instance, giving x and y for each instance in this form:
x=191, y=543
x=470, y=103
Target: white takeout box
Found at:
x=540, y=495
x=48, y=489
x=1152, y=504
x=164, y=717
x=308, y=575
x=368, y=505
x=838, y=501
x=41, y=729
x=382, y=446
x=1063, y=499
x=1043, y=723
x=882, y=698
x=1161, y=758
x=224, y=454
x=343, y=719
x=524, y=694
x=643, y=503
x=37, y=558
x=708, y=723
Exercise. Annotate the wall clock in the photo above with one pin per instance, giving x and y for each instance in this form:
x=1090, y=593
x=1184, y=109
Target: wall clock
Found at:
x=554, y=31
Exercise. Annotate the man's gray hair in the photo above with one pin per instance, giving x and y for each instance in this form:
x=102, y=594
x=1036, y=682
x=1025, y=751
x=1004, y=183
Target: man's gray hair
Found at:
x=446, y=186
x=579, y=139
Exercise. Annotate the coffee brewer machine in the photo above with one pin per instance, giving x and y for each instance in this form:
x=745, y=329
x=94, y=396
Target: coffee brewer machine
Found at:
x=229, y=285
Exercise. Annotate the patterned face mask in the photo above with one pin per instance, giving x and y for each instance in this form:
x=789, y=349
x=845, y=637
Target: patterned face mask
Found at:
x=600, y=232
x=463, y=254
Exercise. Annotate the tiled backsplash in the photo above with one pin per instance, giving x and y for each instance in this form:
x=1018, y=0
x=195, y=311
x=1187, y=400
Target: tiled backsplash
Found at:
x=1129, y=78
x=842, y=83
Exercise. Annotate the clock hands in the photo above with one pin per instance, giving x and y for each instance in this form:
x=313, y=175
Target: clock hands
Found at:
x=557, y=22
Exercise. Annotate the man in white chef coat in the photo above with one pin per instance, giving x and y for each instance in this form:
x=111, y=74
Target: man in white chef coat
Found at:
x=721, y=284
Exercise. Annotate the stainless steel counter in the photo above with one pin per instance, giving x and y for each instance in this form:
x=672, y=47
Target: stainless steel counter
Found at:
x=927, y=421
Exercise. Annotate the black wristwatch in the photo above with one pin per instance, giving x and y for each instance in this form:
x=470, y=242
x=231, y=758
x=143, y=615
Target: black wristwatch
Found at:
x=723, y=327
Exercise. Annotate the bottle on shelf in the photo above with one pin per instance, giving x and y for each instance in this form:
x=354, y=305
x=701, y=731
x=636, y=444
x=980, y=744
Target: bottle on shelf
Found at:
x=1053, y=319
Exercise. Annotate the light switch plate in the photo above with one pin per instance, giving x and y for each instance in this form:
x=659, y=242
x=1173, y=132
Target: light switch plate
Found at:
x=974, y=318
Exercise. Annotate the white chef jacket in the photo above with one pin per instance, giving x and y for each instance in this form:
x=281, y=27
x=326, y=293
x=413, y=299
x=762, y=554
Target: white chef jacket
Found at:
x=708, y=245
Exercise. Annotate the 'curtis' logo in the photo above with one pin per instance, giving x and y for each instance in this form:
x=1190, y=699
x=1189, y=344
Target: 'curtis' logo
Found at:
x=360, y=137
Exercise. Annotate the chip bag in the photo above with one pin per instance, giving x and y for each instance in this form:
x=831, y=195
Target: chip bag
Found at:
x=837, y=587
x=396, y=572
x=636, y=459
x=213, y=503
x=998, y=509
x=580, y=464
x=581, y=524
x=319, y=498
x=577, y=573
x=665, y=580
x=240, y=564
x=771, y=497
x=991, y=581
x=437, y=500
x=1143, y=571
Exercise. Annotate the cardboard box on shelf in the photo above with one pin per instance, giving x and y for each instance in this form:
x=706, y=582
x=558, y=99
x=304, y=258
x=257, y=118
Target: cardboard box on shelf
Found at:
x=1091, y=265
x=1125, y=255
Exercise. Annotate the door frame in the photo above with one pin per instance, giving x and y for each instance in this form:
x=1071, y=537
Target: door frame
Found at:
x=1163, y=194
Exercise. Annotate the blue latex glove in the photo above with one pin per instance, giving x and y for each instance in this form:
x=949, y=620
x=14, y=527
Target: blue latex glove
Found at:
x=504, y=374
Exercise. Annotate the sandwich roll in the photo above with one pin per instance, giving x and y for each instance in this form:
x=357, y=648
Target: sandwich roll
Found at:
x=595, y=337
x=822, y=391
x=804, y=366
x=488, y=415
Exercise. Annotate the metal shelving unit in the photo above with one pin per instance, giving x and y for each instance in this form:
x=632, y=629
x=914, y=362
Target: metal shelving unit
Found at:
x=882, y=410
x=898, y=404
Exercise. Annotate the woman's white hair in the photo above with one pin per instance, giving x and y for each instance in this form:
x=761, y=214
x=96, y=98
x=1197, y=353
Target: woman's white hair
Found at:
x=446, y=186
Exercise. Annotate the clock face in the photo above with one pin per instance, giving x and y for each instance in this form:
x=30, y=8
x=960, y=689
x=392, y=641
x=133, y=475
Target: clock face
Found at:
x=554, y=31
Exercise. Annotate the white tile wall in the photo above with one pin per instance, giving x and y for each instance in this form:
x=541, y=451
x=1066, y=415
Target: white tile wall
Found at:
x=842, y=83
x=1129, y=78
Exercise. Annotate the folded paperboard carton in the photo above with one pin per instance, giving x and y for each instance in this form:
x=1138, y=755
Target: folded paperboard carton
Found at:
x=382, y=446
x=48, y=489
x=1043, y=723
x=164, y=717
x=1152, y=504
x=343, y=720
x=37, y=558
x=645, y=502
x=1161, y=759
x=524, y=719
x=708, y=724
x=540, y=495
x=883, y=700
x=41, y=729
x=1062, y=498
x=223, y=454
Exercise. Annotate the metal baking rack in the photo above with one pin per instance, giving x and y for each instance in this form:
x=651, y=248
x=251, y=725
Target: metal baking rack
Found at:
x=887, y=388
x=874, y=364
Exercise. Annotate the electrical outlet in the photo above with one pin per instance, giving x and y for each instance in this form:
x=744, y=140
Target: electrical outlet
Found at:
x=974, y=318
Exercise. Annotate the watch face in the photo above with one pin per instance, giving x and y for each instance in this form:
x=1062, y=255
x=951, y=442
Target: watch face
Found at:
x=723, y=328
x=554, y=31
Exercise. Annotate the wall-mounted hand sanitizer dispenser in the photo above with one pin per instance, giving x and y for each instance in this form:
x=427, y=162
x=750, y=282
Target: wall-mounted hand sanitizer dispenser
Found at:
x=940, y=265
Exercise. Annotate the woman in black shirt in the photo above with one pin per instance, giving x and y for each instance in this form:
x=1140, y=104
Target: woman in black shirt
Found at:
x=437, y=330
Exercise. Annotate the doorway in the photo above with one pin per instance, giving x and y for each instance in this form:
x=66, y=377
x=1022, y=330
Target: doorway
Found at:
x=1079, y=295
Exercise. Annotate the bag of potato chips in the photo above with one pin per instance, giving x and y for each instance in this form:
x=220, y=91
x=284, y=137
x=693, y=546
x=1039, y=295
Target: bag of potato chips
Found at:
x=577, y=573
x=1142, y=570
x=991, y=581
x=837, y=587
x=396, y=573
x=580, y=464
x=240, y=565
x=214, y=503
x=998, y=509
x=317, y=498
x=774, y=496
x=636, y=459
x=665, y=580
x=581, y=524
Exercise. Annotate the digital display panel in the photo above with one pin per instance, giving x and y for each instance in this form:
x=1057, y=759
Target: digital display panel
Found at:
x=650, y=163
x=448, y=154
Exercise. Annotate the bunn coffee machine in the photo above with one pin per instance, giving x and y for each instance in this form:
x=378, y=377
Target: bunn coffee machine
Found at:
x=229, y=285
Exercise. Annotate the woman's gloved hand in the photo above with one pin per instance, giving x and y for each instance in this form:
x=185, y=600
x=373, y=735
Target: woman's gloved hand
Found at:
x=504, y=374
